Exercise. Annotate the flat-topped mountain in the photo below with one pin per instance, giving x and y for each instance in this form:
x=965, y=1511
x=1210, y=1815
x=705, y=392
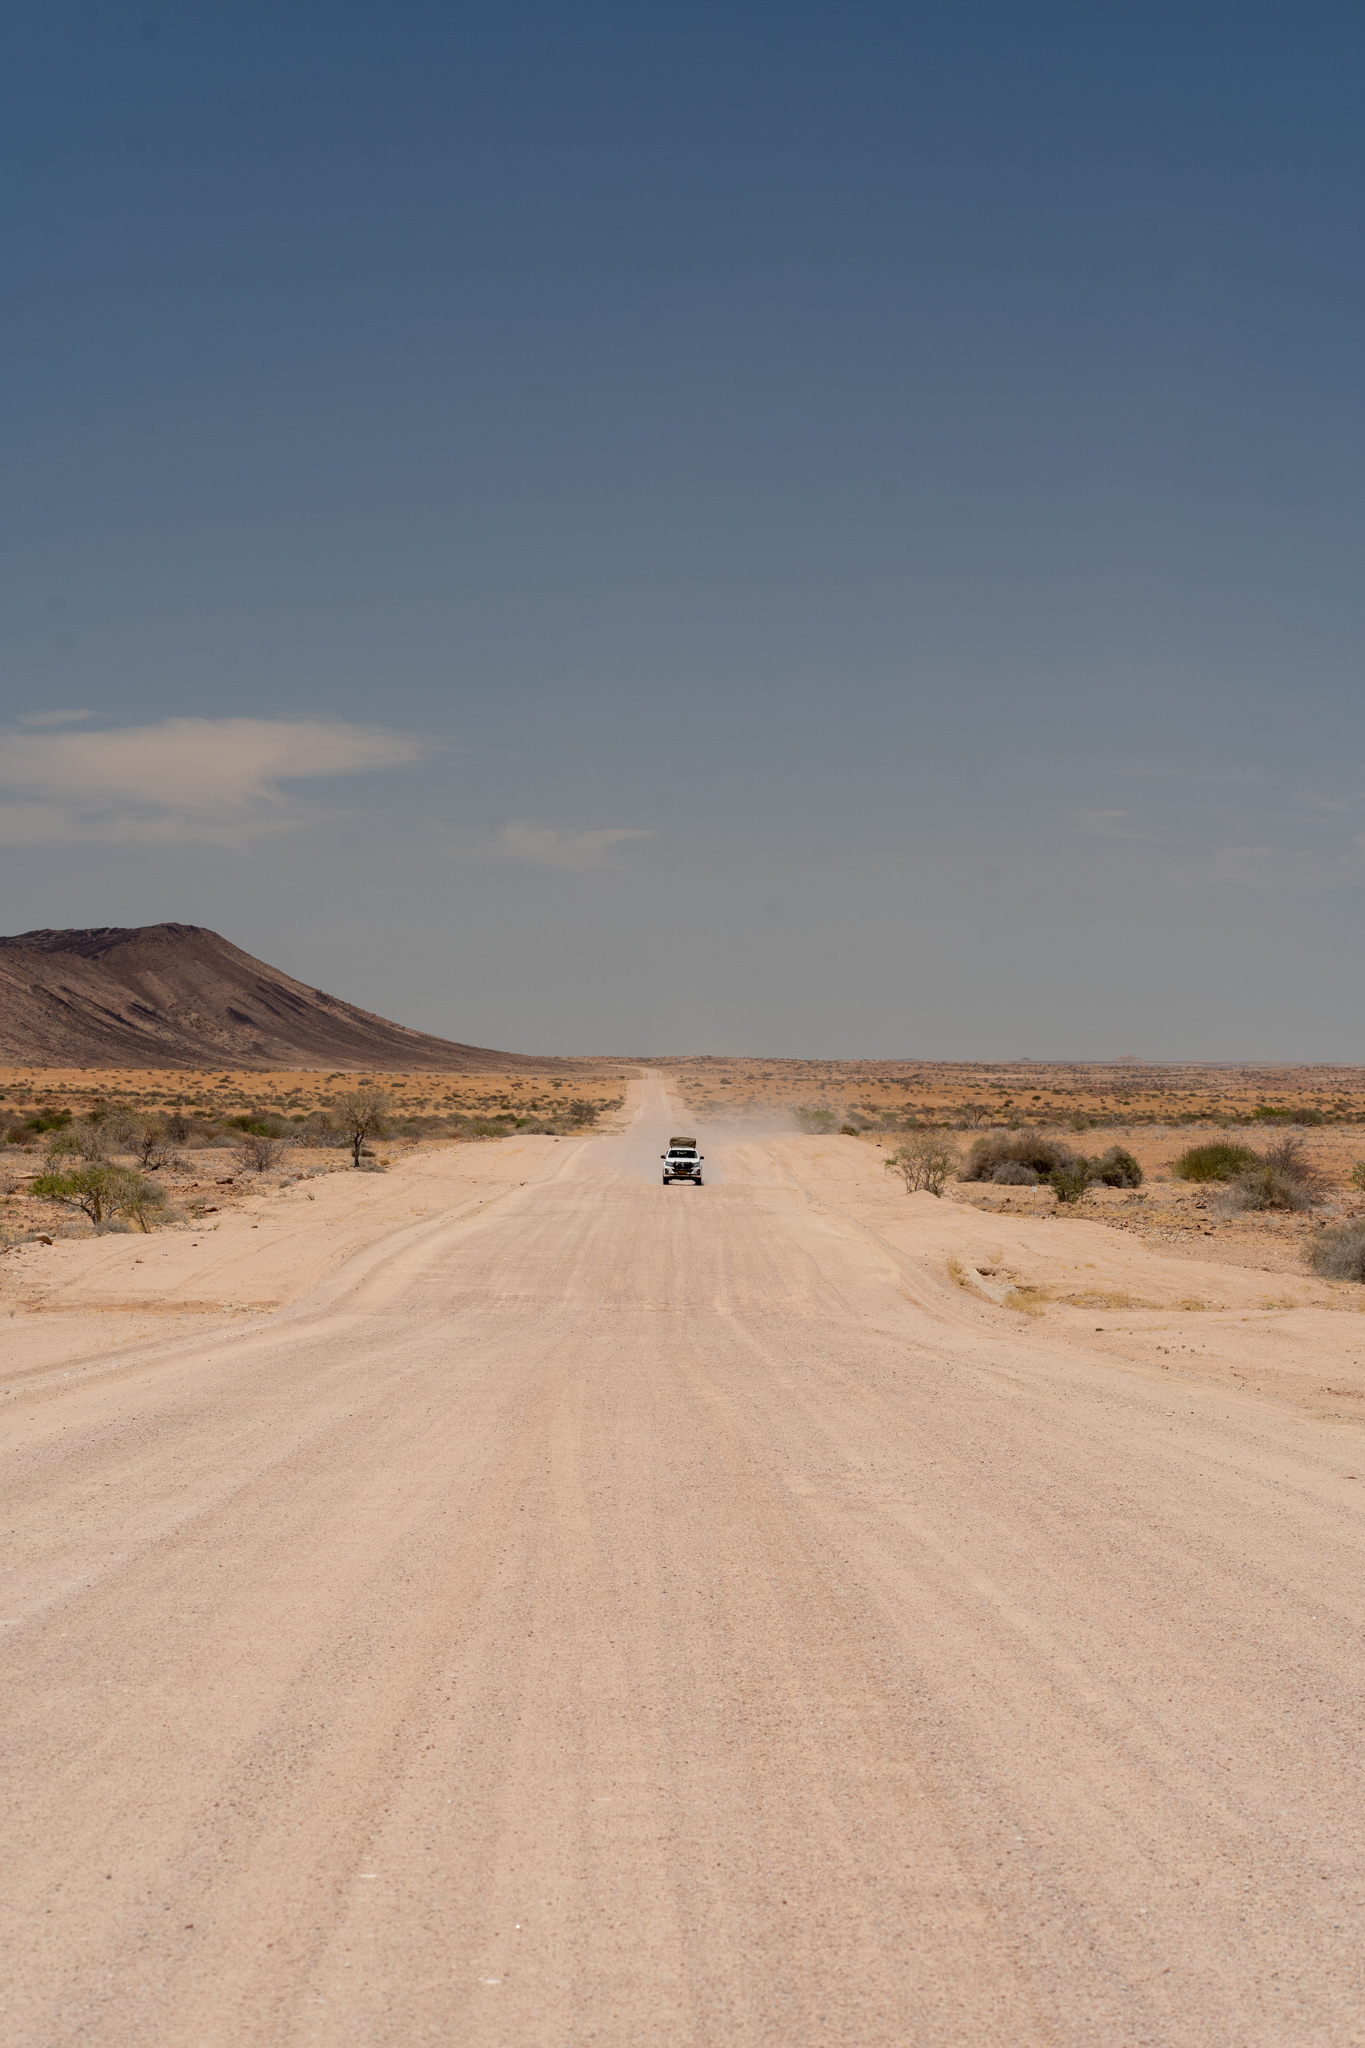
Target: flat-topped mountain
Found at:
x=178, y=995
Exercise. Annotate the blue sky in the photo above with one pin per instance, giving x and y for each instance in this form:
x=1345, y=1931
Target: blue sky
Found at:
x=794, y=530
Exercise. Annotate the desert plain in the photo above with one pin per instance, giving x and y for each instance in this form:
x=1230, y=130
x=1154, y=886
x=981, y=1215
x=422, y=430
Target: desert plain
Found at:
x=495, y=1598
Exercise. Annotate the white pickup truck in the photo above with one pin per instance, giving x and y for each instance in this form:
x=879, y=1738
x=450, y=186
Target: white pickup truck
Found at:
x=682, y=1161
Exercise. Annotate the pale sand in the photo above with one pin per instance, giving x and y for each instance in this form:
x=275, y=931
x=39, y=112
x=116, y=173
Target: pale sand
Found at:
x=579, y=1611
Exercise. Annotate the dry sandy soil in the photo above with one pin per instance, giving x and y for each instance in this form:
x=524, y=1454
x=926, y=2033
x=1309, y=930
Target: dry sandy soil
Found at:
x=552, y=1608
x=297, y=1090
x=1027, y=1091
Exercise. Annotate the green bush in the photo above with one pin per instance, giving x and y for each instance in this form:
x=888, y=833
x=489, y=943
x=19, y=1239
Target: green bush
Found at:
x=1220, y=1160
x=1069, y=1183
x=1358, y=1174
x=49, y=1120
x=101, y=1191
x=1338, y=1253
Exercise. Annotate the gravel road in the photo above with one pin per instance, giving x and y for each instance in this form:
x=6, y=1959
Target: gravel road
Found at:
x=638, y=1616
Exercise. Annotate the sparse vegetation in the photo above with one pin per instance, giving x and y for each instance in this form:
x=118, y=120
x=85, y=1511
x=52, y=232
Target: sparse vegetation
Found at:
x=78, y=1141
x=361, y=1115
x=258, y=1154
x=1024, y=1158
x=143, y=1200
x=1012, y=1173
x=1219, y=1161
x=153, y=1148
x=926, y=1161
x=810, y=1116
x=1043, y=1156
x=1283, y=1178
x=101, y=1191
x=1117, y=1168
x=1338, y=1253
x=1070, y=1182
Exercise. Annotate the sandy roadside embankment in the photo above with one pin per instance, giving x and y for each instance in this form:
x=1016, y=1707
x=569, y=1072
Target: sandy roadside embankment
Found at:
x=80, y=1299
x=1056, y=1278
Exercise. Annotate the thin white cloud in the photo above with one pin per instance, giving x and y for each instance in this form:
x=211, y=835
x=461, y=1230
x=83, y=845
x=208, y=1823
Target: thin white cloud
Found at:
x=1108, y=824
x=1169, y=771
x=554, y=846
x=34, y=718
x=208, y=779
x=1338, y=804
x=1265, y=866
x=1269, y=868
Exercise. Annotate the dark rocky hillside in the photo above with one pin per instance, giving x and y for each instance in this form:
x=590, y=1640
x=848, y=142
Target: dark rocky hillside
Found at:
x=178, y=995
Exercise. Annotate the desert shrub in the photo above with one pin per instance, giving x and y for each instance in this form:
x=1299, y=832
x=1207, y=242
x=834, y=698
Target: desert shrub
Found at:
x=810, y=1117
x=1284, y=1178
x=1358, y=1174
x=102, y=1191
x=259, y=1153
x=1338, y=1253
x=925, y=1161
x=1021, y=1148
x=1013, y=1173
x=1290, y=1159
x=118, y=1128
x=88, y=1188
x=141, y=1199
x=1220, y=1160
x=48, y=1120
x=78, y=1141
x=1070, y=1182
x=325, y=1136
x=1118, y=1169
x=153, y=1148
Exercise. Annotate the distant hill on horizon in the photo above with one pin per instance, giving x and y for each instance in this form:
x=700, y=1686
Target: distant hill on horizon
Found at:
x=179, y=995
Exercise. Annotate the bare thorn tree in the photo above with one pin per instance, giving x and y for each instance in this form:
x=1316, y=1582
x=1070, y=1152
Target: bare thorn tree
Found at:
x=260, y=1154
x=928, y=1160
x=362, y=1115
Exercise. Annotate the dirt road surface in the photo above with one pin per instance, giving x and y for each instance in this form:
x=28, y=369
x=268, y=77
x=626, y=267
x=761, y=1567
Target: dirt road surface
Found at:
x=611, y=1614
